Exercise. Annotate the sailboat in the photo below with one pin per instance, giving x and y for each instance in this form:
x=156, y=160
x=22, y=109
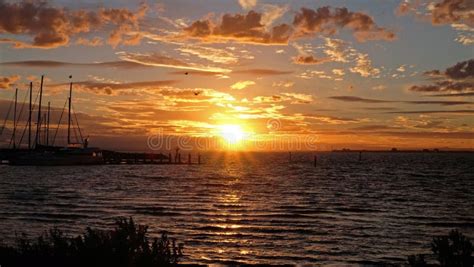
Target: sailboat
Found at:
x=78, y=153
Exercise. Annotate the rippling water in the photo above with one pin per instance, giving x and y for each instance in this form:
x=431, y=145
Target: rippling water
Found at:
x=257, y=208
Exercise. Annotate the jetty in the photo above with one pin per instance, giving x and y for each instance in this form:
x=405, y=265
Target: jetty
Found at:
x=113, y=157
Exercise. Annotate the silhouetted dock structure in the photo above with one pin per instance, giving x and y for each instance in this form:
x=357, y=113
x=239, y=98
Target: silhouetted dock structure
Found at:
x=113, y=157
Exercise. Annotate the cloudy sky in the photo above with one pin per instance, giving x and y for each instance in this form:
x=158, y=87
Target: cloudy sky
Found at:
x=359, y=74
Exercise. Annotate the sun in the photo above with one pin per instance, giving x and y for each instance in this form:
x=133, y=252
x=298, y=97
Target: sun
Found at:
x=232, y=134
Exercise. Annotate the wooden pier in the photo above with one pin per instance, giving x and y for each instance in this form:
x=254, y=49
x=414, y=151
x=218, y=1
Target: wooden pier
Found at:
x=113, y=157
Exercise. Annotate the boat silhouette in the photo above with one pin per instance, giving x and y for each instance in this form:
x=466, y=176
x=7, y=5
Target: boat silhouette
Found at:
x=74, y=153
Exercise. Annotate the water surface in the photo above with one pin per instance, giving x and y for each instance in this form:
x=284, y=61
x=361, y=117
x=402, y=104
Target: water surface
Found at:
x=256, y=207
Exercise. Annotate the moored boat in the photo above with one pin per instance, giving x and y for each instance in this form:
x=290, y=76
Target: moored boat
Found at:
x=60, y=157
x=42, y=153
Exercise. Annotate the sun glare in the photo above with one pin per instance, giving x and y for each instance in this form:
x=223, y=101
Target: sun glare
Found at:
x=232, y=134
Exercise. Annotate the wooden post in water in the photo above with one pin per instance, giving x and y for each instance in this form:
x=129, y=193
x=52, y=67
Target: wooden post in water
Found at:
x=315, y=160
x=189, y=158
x=179, y=157
x=360, y=155
x=289, y=157
x=169, y=157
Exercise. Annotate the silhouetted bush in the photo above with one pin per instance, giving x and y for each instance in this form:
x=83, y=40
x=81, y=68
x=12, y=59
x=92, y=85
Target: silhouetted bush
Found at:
x=127, y=245
x=417, y=261
x=453, y=250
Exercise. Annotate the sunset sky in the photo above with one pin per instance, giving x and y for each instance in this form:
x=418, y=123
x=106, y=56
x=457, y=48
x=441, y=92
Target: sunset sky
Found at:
x=360, y=74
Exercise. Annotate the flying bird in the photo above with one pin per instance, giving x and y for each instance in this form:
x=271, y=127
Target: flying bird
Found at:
x=197, y=92
x=186, y=73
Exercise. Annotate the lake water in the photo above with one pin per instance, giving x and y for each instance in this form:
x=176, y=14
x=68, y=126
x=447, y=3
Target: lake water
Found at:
x=257, y=208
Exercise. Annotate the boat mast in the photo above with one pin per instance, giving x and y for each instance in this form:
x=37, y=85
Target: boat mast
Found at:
x=47, y=124
x=39, y=114
x=69, y=113
x=29, y=116
x=14, y=119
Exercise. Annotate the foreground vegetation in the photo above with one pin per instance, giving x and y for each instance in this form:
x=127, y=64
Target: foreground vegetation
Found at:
x=453, y=250
x=127, y=245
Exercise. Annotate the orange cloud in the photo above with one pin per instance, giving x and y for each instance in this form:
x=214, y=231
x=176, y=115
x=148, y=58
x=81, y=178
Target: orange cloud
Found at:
x=6, y=82
x=96, y=41
x=242, y=85
x=256, y=28
x=247, y=28
x=52, y=27
x=309, y=60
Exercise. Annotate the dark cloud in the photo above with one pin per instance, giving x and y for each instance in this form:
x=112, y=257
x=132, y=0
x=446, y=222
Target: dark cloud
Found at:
x=451, y=11
x=113, y=88
x=379, y=108
x=7, y=81
x=457, y=79
x=420, y=102
x=376, y=128
x=444, y=103
x=327, y=20
x=442, y=12
x=444, y=87
x=331, y=119
x=429, y=134
x=58, y=64
x=455, y=112
x=461, y=70
x=262, y=72
x=454, y=95
x=359, y=99
x=51, y=27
